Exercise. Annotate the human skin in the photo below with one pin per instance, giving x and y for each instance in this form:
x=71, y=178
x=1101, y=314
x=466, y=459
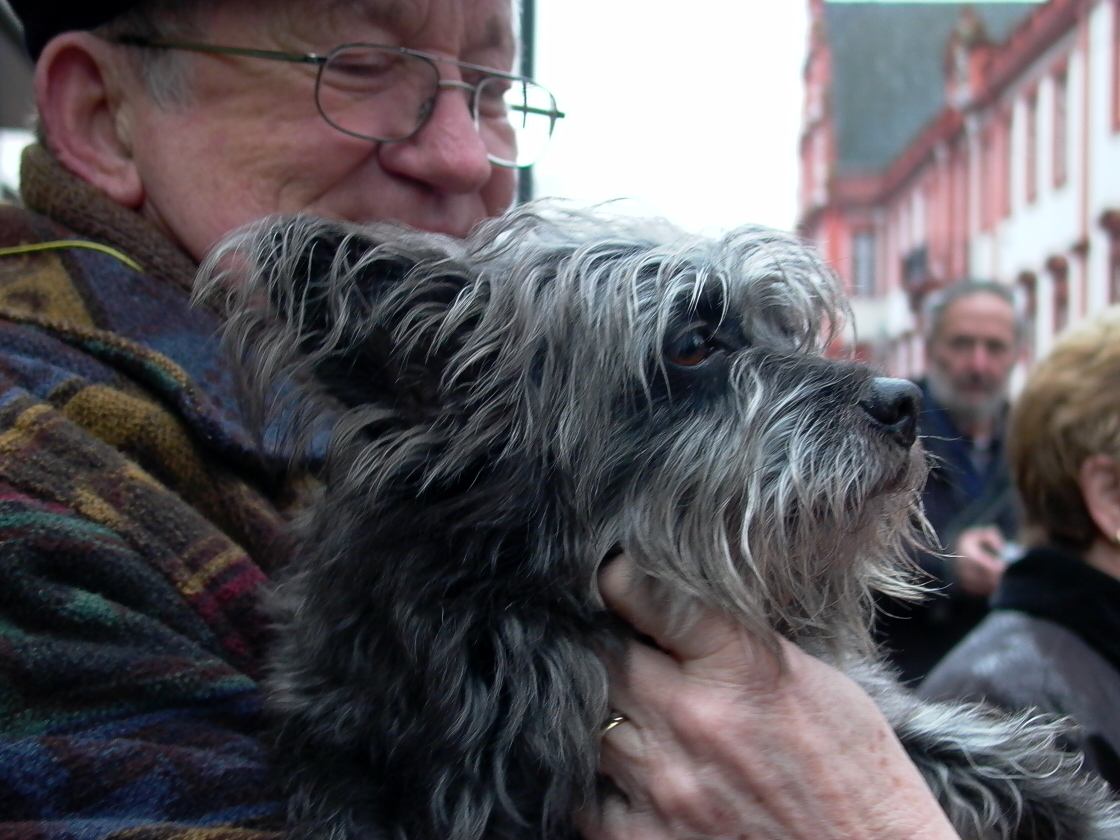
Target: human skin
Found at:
x=1099, y=481
x=972, y=353
x=979, y=560
x=249, y=141
x=722, y=742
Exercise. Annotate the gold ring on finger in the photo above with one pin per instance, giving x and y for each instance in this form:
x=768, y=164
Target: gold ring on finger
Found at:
x=613, y=720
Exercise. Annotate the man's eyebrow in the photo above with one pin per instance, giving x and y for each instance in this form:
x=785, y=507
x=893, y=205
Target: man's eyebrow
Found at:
x=497, y=35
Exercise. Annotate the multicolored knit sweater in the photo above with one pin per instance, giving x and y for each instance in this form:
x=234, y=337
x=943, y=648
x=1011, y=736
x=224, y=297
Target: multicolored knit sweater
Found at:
x=135, y=533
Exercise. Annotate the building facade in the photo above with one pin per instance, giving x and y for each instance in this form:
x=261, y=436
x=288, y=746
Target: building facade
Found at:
x=947, y=141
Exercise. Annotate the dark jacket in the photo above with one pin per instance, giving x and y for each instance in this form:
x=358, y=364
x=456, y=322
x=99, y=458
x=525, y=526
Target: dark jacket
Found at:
x=1052, y=643
x=956, y=496
x=137, y=522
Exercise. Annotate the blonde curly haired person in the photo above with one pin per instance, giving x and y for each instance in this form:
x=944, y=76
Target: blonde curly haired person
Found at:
x=1052, y=642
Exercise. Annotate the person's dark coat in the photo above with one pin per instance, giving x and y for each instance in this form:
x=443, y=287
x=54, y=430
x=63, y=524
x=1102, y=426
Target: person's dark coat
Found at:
x=957, y=496
x=1051, y=643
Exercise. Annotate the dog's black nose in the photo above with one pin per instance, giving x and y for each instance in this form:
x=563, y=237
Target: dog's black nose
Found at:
x=894, y=405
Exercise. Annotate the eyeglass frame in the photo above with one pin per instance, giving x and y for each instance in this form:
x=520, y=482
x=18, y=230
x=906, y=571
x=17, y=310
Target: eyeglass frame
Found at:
x=321, y=59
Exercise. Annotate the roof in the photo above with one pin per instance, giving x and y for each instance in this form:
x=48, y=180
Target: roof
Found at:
x=888, y=73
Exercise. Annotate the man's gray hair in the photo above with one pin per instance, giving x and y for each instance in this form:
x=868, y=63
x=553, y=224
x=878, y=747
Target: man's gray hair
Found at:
x=161, y=71
x=940, y=300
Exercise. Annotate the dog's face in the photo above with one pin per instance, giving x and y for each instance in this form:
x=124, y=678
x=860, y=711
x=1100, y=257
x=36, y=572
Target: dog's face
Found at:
x=589, y=383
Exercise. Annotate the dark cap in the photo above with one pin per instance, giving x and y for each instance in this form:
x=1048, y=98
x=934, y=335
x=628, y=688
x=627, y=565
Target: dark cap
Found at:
x=43, y=19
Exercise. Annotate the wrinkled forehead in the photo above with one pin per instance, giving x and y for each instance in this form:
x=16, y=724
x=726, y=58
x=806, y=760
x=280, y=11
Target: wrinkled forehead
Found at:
x=467, y=30
x=980, y=315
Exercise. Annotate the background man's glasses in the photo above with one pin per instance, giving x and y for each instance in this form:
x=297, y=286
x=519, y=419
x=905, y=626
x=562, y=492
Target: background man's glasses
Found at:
x=386, y=94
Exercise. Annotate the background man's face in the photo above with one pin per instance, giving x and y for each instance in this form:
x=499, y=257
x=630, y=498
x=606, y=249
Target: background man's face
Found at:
x=972, y=354
x=250, y=142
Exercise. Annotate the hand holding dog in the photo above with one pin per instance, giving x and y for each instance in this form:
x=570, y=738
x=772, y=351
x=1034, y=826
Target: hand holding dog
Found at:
x=721, y=742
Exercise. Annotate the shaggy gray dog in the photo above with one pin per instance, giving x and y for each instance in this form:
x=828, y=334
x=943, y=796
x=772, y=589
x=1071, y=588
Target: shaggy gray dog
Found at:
x=507, y=411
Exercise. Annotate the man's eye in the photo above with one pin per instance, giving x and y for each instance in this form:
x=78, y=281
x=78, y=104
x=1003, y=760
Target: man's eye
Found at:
x=374, y=70
x=492, y=98
x=358, y=68
x=690, y=347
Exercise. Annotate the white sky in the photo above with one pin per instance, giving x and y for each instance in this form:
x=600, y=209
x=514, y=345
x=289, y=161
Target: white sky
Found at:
x=691, y=108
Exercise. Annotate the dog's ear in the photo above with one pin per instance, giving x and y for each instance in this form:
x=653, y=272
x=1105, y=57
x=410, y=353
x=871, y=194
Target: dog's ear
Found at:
x=325, y=285
x=313, y=307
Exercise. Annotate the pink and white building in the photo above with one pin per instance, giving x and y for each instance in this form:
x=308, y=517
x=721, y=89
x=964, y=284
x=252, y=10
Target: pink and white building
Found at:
x=945, y=141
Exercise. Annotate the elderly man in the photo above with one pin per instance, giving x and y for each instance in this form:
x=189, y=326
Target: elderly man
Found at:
x=138, y=516
x=974, y=337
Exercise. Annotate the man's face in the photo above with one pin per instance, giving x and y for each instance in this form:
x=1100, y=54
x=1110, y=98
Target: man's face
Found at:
x=250, y=142
x=972, y=354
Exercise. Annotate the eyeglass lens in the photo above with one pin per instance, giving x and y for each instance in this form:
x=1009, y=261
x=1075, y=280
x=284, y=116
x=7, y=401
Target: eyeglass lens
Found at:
x=384, y=95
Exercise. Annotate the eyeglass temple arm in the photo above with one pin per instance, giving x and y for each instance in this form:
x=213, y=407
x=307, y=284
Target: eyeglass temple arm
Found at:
x=156, y=43
x=521, y=109
x=295, y=58
x=547, y=112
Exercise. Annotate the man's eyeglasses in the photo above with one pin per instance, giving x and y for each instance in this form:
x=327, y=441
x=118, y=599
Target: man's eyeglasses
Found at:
x=386, y=94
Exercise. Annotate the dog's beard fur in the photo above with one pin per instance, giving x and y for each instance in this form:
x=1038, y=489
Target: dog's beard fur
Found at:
x=506, y=412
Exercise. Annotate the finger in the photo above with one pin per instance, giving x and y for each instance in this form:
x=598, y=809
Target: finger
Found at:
x=991, y=535
x=643, y=682
x=615, y=819
x=993, y=545
x=617, y=581
x=624, y=763
x=621, y=757
x=643, y=604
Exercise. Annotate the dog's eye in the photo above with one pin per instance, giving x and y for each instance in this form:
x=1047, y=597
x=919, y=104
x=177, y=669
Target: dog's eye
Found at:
x=690, y=347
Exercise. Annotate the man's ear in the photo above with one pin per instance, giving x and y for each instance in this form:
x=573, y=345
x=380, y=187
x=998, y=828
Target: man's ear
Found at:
x=82, y=100
x=1099, y=479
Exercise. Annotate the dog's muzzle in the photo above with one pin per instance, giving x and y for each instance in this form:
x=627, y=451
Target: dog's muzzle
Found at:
x=894, y=405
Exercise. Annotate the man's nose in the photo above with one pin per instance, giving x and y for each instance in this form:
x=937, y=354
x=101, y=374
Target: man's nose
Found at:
x=981, y=360
x=448, y=153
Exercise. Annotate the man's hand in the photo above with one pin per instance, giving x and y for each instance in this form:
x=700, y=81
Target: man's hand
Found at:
x=719, y=741
x=978, y=560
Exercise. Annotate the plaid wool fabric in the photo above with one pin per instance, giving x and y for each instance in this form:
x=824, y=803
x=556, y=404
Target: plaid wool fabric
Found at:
x=134, y=524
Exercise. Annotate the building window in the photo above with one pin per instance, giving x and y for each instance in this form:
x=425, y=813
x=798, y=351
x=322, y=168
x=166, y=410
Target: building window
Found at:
x=1003, y=166
x=863, y=264
x=1061, y=126
x=819, y=172
x=988, y=179
x=996, y=170
x=1114, y=273
x=1030, y=146
x=915, y=271
x=1028, y=302
x=1058, y=266
x=1110, y=221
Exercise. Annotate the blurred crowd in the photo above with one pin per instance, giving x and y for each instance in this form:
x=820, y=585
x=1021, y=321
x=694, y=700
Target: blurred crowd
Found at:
x=1024, y=502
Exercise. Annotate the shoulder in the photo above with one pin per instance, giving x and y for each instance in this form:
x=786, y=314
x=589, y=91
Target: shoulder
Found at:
x=1016, y=661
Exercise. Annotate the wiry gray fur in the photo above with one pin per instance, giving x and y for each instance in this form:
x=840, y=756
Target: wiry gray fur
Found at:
x=508, y=412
